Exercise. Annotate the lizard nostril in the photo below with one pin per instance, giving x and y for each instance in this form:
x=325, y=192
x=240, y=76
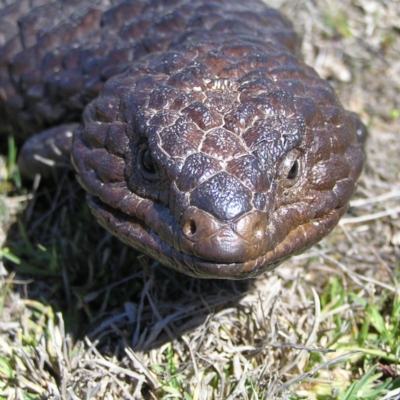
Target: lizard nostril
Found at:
x=189, y=228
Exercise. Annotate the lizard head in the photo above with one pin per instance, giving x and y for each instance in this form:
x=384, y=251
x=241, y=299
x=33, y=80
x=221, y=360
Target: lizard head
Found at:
x=218, y=173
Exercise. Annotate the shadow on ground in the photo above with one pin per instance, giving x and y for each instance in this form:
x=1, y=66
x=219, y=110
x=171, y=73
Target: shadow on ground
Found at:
x=104, y=289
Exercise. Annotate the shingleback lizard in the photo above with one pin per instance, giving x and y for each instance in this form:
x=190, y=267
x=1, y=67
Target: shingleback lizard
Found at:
x=201, y=137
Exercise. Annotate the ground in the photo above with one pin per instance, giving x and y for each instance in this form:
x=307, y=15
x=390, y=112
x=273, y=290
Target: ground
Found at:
x=83, y=316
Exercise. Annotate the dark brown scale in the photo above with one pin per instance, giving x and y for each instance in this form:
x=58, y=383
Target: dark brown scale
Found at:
x=208, y=145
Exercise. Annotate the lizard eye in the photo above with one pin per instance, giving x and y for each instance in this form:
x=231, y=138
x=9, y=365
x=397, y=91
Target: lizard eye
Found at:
x=147, y=162
x=294, y=170
x=291, y=168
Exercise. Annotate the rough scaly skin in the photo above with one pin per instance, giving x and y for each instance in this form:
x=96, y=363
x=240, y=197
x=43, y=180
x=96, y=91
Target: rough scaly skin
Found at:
x=211, y=147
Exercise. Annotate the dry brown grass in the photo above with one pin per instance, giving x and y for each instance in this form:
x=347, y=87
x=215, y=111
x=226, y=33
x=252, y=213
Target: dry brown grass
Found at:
x=83, y=317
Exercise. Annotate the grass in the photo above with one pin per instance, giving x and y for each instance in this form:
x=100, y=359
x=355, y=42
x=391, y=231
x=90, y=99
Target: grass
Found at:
x=41, y=358
x=83, y=317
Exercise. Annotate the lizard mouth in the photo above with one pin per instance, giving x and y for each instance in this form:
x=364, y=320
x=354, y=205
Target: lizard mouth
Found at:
x=137, y=234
